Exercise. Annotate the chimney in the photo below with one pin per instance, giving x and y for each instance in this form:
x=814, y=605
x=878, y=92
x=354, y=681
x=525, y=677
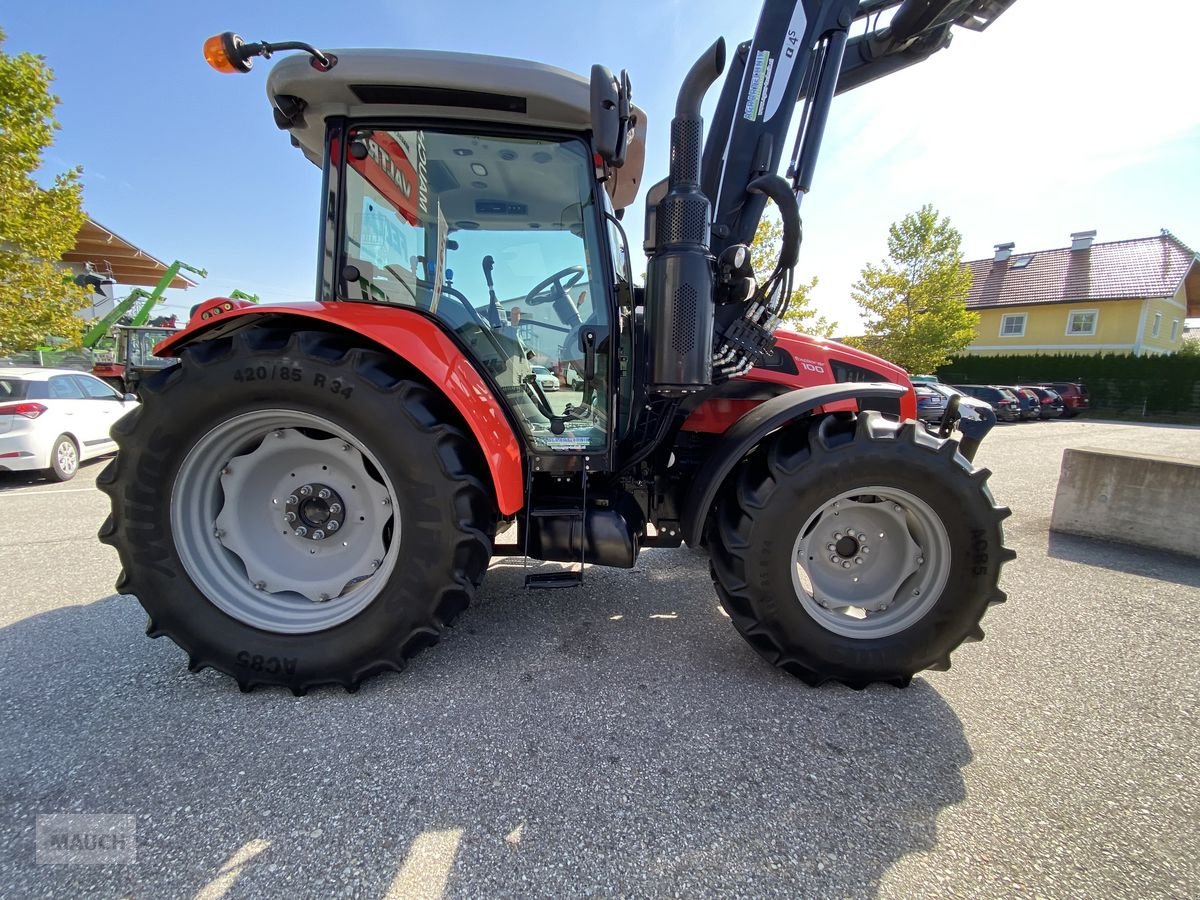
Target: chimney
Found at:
x=1082, y=240
x=1004, y=251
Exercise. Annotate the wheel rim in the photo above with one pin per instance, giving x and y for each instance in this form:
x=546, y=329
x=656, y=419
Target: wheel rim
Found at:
x=284, y=521
x=67, y=457
x=871, y=562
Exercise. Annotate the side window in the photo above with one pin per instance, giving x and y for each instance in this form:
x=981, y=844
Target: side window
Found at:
x=94, y=389
x=1012, y=325
x=846, y=372
x=64, y=387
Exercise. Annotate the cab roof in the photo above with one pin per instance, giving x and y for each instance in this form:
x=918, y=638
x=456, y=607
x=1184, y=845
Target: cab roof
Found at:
x=470, y=87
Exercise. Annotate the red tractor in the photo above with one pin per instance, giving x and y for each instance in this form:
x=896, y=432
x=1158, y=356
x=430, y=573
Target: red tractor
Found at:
x=314, y=492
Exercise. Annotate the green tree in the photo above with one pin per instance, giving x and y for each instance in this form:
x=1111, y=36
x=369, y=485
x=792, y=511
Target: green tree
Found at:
x=800, y=315
x=37, y=226
x=913, y=302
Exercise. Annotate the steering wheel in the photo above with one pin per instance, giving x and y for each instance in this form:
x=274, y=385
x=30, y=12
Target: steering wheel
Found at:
x=533, y=298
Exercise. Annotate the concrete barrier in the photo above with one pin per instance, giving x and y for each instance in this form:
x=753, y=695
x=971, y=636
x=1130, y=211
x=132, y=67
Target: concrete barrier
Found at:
x=1134, y=498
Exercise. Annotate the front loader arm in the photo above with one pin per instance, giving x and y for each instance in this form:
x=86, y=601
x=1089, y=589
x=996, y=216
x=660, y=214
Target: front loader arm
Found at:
x=802, y=51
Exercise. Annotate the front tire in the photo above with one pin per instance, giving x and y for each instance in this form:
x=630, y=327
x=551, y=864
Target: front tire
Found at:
x=857, y=549
x=230, y=477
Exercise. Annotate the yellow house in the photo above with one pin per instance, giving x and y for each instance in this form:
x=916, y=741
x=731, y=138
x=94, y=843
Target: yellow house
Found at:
x=1129, y=296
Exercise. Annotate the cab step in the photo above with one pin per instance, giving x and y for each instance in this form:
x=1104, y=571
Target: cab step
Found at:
x=572, y=508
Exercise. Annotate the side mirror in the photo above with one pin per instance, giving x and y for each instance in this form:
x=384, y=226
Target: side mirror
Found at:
x=611, y=118
x=129, y=397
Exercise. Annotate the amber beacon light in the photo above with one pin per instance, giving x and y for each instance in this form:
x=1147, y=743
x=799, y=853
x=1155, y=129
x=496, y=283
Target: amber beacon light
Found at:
x=223, y=53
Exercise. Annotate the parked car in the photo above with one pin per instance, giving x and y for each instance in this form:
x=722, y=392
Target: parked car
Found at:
x=547, y=379
x=965, y=401
x=1003, y=402
x=571, y=378
x=53, y=419
x=1074, y=396
x=1051, y=404
x=1030, y=405
x=931, y=404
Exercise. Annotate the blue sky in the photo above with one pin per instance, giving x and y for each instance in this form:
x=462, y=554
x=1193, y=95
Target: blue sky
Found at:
x=1060, y=118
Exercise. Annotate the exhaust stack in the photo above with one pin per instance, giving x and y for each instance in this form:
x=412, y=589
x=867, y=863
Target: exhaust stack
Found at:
x=679, y=276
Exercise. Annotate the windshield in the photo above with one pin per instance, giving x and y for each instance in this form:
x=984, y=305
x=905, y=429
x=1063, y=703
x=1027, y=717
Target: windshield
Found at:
x=497, y=237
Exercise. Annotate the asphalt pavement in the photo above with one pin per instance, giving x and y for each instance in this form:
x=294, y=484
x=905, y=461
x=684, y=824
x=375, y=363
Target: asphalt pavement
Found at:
x=621, y=739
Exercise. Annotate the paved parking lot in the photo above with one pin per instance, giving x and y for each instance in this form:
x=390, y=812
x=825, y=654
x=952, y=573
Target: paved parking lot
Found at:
x=621, y=739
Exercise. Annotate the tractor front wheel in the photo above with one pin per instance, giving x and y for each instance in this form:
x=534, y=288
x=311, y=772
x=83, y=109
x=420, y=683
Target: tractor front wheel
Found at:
x=293, y=510
x=858, y=549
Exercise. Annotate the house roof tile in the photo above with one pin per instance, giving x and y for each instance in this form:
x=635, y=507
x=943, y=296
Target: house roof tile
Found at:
x=1115, y=270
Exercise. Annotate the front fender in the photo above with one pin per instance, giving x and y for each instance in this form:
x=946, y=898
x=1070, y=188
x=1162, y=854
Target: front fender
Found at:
x=416, y=339
x=748, y=431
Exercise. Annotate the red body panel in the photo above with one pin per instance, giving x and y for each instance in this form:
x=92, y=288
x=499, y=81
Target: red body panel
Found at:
x=814, y=358
x=420, y=343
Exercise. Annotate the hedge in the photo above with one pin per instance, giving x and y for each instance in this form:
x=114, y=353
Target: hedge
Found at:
x=1122, y=383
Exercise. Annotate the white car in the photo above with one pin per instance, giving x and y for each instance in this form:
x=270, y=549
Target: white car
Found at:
x=547, y=379
x=53, y=419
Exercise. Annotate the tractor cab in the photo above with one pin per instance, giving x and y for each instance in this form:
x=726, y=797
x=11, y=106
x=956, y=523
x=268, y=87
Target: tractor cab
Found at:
x=467, y=187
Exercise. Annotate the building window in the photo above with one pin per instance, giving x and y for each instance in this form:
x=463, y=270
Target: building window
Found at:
x=1154, y=332
x=1012, y=325
x=1174, y=329
x=1082, y=322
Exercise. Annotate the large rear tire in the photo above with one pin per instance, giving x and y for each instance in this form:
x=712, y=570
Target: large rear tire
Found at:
x=857, y=550
x=293, y=510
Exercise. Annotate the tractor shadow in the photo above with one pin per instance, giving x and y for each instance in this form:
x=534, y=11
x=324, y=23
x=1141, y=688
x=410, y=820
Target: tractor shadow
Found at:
x=615, y=739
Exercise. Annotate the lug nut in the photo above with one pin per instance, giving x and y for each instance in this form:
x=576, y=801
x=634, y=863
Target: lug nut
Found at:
x=846, y=564
x=289, y=517
x=831, y=548
x=833, y=559
x=301, y=531
x=920, y=560
x=292, y=498
x=332, y=525
x=305, y=490
x=858, y=560
x=318, y=535
x=323, y=493
x=866, y=549
x=335, y=508
x=837, y=535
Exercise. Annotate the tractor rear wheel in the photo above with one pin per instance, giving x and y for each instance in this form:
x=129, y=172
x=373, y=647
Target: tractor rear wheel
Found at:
x=858, y=549
x=293, y=510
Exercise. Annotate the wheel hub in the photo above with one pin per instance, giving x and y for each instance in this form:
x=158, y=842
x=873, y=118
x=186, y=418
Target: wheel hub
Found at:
x=314, y=512
x=846, y=547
